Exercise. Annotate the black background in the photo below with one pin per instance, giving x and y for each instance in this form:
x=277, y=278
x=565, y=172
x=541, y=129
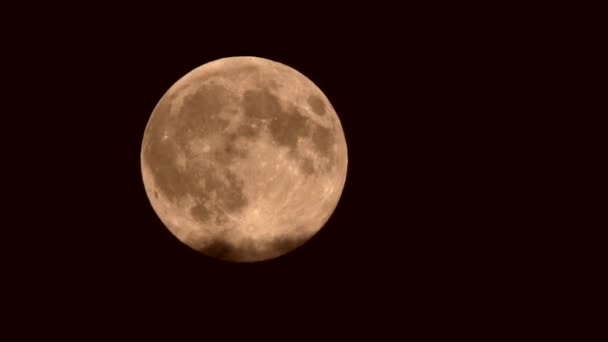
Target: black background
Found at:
x=425, y=230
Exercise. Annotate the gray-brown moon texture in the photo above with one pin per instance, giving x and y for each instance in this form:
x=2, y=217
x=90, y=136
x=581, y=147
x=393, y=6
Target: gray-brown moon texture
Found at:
x=244, y=159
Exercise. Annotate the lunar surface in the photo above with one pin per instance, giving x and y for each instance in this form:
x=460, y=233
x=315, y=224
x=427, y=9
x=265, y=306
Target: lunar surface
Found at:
x=244, y=159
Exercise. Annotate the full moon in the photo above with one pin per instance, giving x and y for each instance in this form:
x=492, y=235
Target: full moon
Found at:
x=244, y=159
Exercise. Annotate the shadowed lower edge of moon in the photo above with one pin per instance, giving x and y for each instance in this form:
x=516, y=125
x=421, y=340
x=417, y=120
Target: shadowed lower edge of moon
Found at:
x=174, y=183
x=247, y=251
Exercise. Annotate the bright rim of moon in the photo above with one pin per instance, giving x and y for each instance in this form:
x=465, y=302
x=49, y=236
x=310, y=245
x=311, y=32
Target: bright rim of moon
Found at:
x=244, y=159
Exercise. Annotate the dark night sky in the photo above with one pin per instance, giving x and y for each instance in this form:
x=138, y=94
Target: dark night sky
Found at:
x=419, y=225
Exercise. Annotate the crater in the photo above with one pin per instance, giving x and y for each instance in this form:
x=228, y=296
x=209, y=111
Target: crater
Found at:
x=316, y=104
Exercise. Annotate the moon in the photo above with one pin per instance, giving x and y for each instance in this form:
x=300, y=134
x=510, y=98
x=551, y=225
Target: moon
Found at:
x=244, y=159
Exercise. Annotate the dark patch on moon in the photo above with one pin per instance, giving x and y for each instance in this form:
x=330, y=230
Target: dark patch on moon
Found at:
x=323, y=140
x=220, y=249
x=199, y=112
x=230, y=150
x=287, y=128
x=221, y=219
x=231, y=196
x=285, y=123
x=316, y=104
x=248, y=130
x=160, y=157
x=198, y=117
x=285, y=244
x=261, y=104
x=246, y=250
x=200, y=213
x=307, y=166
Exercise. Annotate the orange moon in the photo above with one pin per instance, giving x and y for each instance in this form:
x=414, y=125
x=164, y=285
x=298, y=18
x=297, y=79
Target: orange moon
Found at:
x=244, y=159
